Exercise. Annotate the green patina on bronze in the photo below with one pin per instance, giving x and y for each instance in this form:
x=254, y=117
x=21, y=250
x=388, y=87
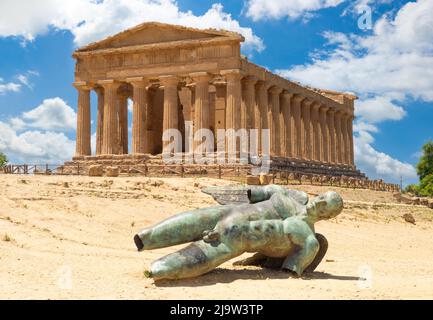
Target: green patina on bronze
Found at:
x=275, y=223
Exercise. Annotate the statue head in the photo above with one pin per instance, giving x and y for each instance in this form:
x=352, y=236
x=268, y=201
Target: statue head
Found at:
x=326, y=206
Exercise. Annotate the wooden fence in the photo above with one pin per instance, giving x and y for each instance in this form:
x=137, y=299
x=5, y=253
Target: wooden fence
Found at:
x=233, y=172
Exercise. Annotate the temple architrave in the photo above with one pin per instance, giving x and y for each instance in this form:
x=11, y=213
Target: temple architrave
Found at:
x=177, y=75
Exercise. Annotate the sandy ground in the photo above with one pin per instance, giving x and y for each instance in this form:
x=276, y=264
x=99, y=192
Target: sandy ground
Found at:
x=71, y=238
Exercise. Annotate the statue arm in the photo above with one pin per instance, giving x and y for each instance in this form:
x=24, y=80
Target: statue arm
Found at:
x=259, y=194
x=299, y=261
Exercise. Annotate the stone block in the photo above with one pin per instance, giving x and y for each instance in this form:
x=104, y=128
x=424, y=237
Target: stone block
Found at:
x=265, y=179
x=253, y=180
x=112, y=171
x=96, y=171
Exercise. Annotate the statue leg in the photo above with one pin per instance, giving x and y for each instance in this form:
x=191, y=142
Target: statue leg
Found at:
x=182, y=228
x=320, y=255
x=275, y=263
x=194, y=260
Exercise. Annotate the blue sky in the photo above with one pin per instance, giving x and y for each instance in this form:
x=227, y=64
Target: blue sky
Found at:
x=388, y=64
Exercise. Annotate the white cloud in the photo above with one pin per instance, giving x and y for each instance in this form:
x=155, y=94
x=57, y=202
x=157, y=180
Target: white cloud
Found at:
x=52, y=114
x=35, y=146
x=8, y=87
x=292, y=9
x=23, y=144
x=396, y=60
x=379, y=165
x=379, y=109
x=90, y=20
x=25, y=78
x=358, y=6
x=386, y=69
x=22, y=79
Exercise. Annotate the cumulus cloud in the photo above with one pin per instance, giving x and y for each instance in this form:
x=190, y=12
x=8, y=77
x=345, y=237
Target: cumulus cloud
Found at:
x=90, y=20
x=35, y=136
x=386, y=69
x=377, y=164
x=396, y=60
x=292, y=9
x=35, y=146
x=379, y=109
x=52, y=114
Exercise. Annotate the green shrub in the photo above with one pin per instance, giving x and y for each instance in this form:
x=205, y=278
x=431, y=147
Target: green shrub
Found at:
x=3, y=160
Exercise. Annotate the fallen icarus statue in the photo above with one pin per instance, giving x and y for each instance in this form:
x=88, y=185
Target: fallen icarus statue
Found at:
x=275, y=223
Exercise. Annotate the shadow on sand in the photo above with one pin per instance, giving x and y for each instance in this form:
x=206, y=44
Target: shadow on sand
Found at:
x=228, y=275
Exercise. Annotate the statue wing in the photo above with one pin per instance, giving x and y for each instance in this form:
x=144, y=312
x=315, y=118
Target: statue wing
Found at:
x=299, y=196
x=233, y=194
x=238, y=194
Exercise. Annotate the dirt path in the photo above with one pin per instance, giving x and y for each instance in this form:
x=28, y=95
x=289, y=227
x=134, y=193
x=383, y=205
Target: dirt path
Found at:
x=70, y=237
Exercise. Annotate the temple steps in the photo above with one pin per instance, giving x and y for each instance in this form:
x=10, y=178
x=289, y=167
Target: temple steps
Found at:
x=142, y=163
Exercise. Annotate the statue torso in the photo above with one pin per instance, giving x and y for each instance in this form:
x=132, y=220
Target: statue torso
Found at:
x=259, y=227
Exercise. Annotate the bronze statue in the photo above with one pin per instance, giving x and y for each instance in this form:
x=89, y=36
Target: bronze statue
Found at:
x=275, y=223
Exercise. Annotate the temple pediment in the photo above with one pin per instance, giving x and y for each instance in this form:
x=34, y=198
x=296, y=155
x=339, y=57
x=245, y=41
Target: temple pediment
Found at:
x=154, y=33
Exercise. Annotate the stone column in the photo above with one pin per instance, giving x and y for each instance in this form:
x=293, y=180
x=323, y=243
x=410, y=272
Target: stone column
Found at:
x=338, y=138
x=274, y=123
x=286, y=145
x=83, y=121
x=233, y=108
x=220, y=106
x=331, y=133
x=324, y=141
x=248, y=108
x=262, y=109
x=315, y=118
x=122, y=100
x=140, y=111
x=297, y=139
x=100, y=120
x=201, y=114
x=344, y=138
x=306, y=129
x=170, y=116
x=350, y=136
x=110, y=137
x=248, y=101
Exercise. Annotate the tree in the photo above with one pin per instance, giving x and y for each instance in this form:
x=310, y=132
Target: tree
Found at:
x=426, y=186
x=425, y=164
x=3, y=160
x=412, y=188
x=424, y=169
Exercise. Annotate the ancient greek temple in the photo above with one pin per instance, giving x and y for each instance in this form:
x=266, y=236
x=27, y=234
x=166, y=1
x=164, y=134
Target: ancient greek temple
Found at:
x=177, y=75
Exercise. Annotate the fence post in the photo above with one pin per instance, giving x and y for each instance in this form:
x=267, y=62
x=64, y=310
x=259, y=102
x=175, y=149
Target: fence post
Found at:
x=78, y=169
x=219, y=172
